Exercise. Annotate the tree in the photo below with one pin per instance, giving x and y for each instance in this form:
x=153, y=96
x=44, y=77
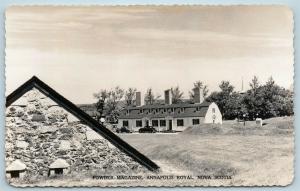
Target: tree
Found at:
x=113, y=107
x=101, y=96
x=150, y=98
x=177, y=94
x=228, y=101
x=109, y=101
x=226, y=87
x=202, y=87
x=268, y=100
x=130, y=96
x=254, y=84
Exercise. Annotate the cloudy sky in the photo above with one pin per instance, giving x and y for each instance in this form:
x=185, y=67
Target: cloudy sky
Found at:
x=80, y=50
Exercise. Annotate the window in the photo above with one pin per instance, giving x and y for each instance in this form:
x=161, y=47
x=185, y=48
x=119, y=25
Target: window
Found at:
x=58, y=171
x=138, y=123
x=162, y=123
x=155, y=123
x=196, y=121
x=125, y=123
x=141, y=111
x=214, y=110
x=180, y=122
x=127, y=112
x=15, y=174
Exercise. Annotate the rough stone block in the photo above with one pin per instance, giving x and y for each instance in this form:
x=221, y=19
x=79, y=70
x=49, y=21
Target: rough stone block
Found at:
x=65, y=137
x=38, y=117
x=64, y=145
x=66, y=130
x=92, y=135
x=22, y=144
x=47, y=129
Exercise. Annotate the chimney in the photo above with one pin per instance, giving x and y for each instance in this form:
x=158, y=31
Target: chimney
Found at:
x=138, y=99
x=168, y=97
x=198, y=95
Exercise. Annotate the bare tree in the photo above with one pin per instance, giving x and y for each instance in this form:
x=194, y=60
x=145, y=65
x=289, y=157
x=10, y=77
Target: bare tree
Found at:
x=150, y=98
x=130, y=96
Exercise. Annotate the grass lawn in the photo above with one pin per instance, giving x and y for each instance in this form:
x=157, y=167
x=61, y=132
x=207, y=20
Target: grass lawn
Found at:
x=251, y=155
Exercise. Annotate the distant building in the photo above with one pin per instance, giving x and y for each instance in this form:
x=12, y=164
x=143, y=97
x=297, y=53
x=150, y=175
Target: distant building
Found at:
x=169, y=116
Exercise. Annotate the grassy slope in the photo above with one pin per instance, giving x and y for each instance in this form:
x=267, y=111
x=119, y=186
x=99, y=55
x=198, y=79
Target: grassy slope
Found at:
x=263, y=156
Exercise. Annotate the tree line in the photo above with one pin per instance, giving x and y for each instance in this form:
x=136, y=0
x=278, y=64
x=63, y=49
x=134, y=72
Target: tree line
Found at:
x=261, y=100
x=113, y=101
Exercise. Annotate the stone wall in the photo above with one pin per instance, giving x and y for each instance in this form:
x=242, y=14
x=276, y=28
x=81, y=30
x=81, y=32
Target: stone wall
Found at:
x=38, y=132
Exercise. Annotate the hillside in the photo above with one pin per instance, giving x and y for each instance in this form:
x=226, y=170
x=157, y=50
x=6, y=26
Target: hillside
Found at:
x=272, y=126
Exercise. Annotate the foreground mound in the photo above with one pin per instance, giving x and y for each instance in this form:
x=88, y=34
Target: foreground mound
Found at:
x=272, y=126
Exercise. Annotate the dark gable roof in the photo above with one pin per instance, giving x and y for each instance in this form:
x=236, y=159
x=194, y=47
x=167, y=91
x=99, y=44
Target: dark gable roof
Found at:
x=190, y=110
x=34, y=82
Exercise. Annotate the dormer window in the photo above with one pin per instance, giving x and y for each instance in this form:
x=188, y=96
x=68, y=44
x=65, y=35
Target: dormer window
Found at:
x=141, y=111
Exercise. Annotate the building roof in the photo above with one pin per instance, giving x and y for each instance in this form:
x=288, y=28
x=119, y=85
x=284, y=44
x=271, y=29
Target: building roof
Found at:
x=162, y=111
x=17, y=165
x=34, y=82
x=59, y=163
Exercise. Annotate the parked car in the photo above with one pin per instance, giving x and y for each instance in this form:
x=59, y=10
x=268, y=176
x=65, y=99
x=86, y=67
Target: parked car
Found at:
x=147, y=129
x=123, y=130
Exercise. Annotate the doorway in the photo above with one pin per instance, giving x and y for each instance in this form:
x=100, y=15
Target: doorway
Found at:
x=170, y=125
x=15, y=174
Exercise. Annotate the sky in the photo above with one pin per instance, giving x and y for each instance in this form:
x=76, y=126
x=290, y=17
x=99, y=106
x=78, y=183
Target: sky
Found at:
x=79, y=50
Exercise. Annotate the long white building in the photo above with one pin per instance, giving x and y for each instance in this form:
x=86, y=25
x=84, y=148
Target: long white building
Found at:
x=169, y=116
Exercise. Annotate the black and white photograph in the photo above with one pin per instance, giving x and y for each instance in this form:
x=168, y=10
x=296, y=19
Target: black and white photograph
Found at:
x=164, y=96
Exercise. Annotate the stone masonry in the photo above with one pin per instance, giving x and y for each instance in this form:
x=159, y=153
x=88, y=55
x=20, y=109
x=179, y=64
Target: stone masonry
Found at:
x=38, y=132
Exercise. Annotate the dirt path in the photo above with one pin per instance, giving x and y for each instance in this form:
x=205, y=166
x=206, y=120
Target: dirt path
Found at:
x=172, y=169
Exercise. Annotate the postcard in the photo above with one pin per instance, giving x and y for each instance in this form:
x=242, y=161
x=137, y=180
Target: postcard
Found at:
x=164, y=96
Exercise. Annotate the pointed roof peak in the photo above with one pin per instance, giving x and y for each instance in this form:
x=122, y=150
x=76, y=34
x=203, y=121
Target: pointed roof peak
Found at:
x=35, y=82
